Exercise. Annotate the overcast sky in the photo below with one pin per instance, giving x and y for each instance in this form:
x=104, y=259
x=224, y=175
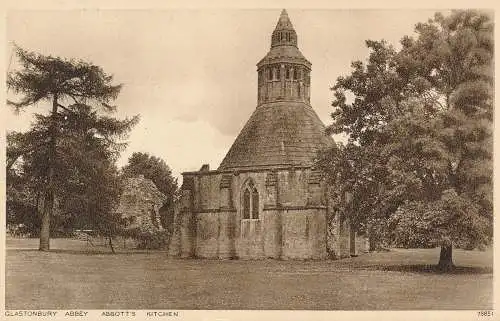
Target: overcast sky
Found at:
x=191, y=74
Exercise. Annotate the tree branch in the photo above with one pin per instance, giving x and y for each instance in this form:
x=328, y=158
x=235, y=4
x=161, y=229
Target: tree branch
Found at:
x=65, y=108
x=11, y=159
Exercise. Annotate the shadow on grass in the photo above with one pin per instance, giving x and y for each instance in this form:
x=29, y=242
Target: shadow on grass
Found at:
x=429, y=268
x=86, y=252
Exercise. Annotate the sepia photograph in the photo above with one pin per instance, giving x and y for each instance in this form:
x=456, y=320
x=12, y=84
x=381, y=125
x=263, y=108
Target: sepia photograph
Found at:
x=277, y=158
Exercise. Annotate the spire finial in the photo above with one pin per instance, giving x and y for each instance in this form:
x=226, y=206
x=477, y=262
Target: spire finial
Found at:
x=284, y=34
x=284, y=22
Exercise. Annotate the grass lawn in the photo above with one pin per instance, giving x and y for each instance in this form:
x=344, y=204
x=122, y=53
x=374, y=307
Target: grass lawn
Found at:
x=72, y=277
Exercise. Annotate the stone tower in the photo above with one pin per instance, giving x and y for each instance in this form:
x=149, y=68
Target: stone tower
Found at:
x=284, y=130
x=266, y=200
x=284, y=73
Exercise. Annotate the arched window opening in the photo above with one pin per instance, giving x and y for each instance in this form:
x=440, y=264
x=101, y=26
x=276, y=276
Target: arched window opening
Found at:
x=278, y=74
x=255, y=204
x=250, y=202
x=295, y=74
x=269, y=74
x=246, y=204
x=287, y=73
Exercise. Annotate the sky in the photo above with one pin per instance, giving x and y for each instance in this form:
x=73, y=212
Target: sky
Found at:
x=191, y=74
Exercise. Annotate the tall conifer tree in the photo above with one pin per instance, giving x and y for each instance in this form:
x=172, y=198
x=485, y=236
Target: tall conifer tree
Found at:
x=72, y=139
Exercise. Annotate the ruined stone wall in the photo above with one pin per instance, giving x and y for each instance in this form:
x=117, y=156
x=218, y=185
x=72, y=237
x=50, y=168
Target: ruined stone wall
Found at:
x=140, y=202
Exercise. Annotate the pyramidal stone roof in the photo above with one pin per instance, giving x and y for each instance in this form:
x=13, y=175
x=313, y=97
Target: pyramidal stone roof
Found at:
x=280, y=133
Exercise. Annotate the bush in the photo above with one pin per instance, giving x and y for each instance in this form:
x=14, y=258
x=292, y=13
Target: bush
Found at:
x=153, y=240
x=148, y=236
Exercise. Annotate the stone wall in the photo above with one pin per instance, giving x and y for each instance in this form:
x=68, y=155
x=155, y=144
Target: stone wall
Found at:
x=304, y=234
x=292, y=221
x=140, y=202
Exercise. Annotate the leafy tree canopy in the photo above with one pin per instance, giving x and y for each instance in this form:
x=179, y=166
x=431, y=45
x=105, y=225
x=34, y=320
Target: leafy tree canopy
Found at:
x=421, y=121
x=153, y=168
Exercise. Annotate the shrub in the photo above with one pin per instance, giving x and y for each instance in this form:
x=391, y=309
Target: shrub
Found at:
x=153, y=240
x=148, y=236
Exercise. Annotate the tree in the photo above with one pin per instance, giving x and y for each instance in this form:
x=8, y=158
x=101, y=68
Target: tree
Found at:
x=365, y=101
x=157, y=170
x=354, y=175
x=92, y=191
x=21, y=200
x=453, y=56
x=53, y=149
x=425, y=113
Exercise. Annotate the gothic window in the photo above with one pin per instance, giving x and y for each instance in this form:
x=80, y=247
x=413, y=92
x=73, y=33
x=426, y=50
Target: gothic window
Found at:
x=246, y=204
x=250, y=202
x=269, y=74
x=255, y=204
x=277, y=73
x=287, y=73
x=295, y=74
x=287, y=36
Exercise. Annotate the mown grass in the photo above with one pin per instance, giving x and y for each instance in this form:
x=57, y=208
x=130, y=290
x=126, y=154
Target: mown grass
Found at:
x=75, y=275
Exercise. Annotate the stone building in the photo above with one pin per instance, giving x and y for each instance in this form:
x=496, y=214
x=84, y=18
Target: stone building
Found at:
x=140, y=203
x=266, y=200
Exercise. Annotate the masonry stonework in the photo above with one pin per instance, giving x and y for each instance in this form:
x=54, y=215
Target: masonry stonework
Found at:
x=266, y=200
x=140, y=203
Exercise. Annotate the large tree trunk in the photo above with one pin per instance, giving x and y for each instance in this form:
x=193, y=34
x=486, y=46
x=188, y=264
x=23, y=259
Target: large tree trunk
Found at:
x=446, y=258
x=46, y=215
x=49, y=195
